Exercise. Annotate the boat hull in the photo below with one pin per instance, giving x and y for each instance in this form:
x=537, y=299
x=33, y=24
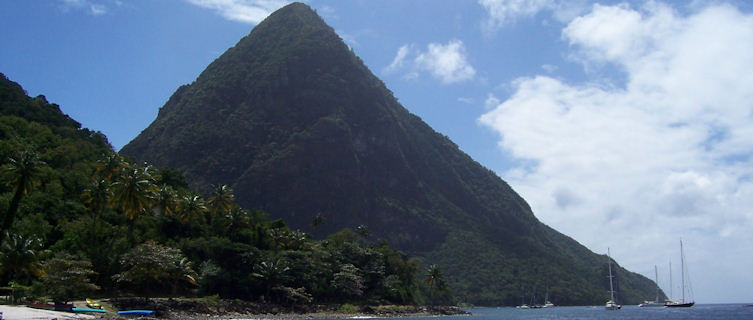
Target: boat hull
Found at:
x=136, y=312
x=680, y=305
x=611, y=305
x=89, y=310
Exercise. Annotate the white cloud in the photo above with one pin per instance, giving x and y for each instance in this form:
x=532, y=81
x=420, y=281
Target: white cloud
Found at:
x=446, y=62
x=95, y=8
x=491, y=101
x=399, y=60
x=247, y=11
x=665, y=156
x=549, y=68
x=466, y=100
x=505, y=12
x=502, y=12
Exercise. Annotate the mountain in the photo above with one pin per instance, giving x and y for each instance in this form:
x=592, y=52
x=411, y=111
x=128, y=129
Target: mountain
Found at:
x=297, y=125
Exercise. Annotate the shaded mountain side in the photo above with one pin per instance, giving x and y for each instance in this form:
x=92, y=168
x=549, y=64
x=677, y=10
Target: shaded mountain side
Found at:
x=297, y=125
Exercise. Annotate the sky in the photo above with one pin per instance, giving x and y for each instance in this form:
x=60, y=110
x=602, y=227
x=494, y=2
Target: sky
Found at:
x=625, y=125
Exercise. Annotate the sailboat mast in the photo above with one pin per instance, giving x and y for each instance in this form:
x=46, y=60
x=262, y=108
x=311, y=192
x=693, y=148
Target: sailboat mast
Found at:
x=682, y=270
x=656, y=279
x=611, y=288
x=671, y=289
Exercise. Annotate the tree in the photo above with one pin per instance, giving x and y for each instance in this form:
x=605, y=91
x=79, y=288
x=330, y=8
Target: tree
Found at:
x=166, y=200
x=348, y=281
x=151, y=268
x=317, y=220
x=20, y=173
x=66, y=277
x=133, y=193
x=192, y=206
x=237, y=219
x=96, y=196
x=270, y=273
x=183, y=273
x=109, y=166
x=435, y=281
x=19, y=255
x=363, y=231
x=221, y=200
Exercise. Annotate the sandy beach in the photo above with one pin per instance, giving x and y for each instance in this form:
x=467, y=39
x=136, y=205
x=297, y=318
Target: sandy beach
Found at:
x=24, y=312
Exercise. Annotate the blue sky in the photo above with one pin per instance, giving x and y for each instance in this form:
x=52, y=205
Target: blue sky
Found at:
x=624, y=124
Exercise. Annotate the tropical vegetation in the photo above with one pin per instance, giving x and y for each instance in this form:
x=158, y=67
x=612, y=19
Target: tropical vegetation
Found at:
x=80, y=220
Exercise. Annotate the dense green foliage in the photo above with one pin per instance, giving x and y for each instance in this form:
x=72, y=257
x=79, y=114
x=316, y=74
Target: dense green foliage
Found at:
x=299, y=127
x=88, y=220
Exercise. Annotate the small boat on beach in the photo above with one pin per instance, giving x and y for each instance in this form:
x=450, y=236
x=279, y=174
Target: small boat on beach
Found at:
x=136, y=312
x=43, y=306
x=49, y=306
x=79, y=310
x=93, y=304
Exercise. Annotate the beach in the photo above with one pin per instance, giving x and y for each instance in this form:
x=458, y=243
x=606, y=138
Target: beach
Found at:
x=172, y=309
x=24, y=313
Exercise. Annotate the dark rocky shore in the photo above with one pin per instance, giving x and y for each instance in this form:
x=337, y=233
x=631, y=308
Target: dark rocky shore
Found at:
x=230, y=309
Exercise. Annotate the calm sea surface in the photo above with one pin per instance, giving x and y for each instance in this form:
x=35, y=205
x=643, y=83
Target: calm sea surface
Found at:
x=708, y=311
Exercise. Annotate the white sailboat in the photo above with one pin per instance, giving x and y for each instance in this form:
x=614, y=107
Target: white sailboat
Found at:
x=682, y=303
x=547, y=303
x=611, y=305
x=656, y=302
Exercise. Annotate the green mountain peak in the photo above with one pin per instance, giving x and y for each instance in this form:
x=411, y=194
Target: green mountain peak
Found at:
x=298, y=126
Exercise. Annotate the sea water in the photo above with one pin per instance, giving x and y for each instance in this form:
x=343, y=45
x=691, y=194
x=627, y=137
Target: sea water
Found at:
x=699, y=311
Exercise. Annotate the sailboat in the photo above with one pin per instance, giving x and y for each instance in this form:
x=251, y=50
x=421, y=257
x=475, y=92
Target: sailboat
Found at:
x=547, y=303
x=611, y=305
x=656, y=302
x=682, y=303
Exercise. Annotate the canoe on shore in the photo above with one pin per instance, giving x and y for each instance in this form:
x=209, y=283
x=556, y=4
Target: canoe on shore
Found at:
x=88, y=310
x=136, y=312
x=43, y=306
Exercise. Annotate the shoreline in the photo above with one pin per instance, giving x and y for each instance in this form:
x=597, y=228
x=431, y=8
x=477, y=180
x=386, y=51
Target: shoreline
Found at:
x=169, y=308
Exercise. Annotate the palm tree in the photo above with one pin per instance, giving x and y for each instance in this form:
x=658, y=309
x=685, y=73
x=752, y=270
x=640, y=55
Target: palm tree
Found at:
x=109, y=166
x=134, y=192
x=96, y=196
x=435, y=281
x=19, y=254
x=20, y=173
x=166, y=200
x=270, y=272
x=183, y=271
x=191, y=206
x=237, y=218
x=221, y=200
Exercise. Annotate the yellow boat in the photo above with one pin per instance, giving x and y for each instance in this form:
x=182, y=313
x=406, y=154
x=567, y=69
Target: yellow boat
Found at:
x=93, y=304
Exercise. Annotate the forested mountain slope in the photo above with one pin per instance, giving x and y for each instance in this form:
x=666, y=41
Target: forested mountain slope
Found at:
x=297, y=125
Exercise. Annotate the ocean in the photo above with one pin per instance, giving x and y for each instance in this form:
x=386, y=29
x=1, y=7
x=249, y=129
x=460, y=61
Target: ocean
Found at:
x=699, y=311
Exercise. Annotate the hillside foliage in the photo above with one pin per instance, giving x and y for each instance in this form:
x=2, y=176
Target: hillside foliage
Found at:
x=88, y=222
